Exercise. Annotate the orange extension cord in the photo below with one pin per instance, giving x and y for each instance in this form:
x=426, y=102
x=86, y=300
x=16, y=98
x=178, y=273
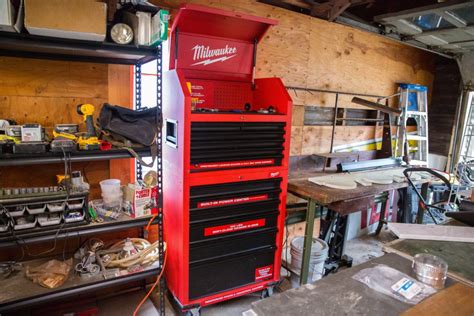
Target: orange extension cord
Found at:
x=159, y=276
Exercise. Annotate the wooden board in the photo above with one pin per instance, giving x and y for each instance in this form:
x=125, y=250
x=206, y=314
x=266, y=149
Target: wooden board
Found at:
x=455, y=300
x=458, y=255
x=432, y=232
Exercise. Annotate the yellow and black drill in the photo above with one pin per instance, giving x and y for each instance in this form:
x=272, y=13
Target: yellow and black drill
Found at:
x=88, y=140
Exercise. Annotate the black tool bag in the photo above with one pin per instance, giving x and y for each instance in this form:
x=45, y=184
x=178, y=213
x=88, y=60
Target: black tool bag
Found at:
x=126, y=128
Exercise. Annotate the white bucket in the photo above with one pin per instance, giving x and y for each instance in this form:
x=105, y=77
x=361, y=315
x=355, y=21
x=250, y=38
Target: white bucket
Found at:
x=319, y=254
x=110, y=186
x=112, y=200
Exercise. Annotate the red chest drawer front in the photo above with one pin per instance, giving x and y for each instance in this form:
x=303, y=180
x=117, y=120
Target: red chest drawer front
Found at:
x=223, y=246
x=226, y=145
x=221, y=274
x=219, y=201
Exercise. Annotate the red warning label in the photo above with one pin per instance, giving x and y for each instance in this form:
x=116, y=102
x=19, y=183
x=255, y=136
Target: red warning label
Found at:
x=231, y=201
x=230, y=228
x=233, y=164
x=263, y=272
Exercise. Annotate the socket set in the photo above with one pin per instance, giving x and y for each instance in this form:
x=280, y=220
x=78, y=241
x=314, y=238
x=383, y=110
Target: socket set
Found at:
x=32, y=191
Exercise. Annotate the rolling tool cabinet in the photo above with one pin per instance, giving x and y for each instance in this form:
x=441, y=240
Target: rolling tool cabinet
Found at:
x=225, y=159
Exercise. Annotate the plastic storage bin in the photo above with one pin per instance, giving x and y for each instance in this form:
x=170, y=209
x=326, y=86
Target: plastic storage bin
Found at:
x=16, y=211
x=36, y=209
x=56, y=207
x=24, y=222
x=49, y=220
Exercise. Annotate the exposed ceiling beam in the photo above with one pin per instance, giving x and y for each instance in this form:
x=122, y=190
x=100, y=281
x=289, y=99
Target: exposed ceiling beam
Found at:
x=331, y=9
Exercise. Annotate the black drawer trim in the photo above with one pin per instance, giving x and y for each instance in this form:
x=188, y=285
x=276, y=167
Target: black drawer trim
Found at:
x=213, y=142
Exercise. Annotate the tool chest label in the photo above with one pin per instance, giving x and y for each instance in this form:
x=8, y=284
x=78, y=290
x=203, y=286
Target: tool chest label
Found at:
x=263, y=272
x=231, y=201
x=230, y=228
x=214, y=54
x=233, y=164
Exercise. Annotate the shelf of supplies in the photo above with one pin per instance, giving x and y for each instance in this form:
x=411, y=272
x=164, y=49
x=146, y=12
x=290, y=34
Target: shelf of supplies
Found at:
x=23, y=293
x=78, y=156
x=7, y=239
x=43, y=47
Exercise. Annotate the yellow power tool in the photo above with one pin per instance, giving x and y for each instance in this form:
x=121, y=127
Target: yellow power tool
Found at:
x=89, y=140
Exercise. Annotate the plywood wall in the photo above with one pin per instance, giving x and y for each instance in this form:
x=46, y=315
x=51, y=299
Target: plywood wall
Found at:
x=47, y=92
x=312, y=53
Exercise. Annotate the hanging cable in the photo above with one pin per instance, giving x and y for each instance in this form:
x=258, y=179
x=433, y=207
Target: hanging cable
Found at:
x=135, y=313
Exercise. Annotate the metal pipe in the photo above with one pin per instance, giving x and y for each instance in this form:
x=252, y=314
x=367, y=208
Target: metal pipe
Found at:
x=333, y=126
x=458, y=131
x=334, y=92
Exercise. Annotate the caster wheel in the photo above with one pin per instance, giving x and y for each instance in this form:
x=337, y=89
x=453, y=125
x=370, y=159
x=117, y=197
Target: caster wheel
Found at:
x=267, y=292
x=193, y=312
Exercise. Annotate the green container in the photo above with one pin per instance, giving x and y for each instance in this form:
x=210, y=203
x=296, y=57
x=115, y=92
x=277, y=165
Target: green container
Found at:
x=160, y=26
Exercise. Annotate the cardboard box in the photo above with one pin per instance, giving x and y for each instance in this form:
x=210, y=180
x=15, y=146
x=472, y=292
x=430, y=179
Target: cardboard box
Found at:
x=11, y=16
x=74, y=19
x=159, y=27
x=141, y=200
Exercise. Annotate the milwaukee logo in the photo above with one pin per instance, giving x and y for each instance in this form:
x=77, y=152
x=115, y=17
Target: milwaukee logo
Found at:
x=211, y=56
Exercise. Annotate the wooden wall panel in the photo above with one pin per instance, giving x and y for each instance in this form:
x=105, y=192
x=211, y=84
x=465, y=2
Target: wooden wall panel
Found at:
x=47, y=111
x=317, y=139
x=47, y=92
x=119, y=88
x=45, y=175
x=44, y=78
x=313, y=53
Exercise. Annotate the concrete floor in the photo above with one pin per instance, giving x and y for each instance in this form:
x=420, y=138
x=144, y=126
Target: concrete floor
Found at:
x=361, y=249
x=365, y=248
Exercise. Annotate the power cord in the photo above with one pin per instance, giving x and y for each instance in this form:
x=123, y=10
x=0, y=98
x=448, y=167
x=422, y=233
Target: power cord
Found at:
x=24, y=246
x=135, y=313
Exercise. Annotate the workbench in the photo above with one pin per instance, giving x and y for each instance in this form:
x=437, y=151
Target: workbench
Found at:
x=337, y=204
x=339, y=294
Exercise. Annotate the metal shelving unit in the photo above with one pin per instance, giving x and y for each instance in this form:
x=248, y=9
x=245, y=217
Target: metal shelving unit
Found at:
x=39, y=47
x=42, y=47
x=73, y=286
x=79, y=156
x=122, y=223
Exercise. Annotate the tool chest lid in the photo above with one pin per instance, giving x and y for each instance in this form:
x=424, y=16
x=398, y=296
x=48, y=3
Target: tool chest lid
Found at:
x=201, y=20
x=210, y=43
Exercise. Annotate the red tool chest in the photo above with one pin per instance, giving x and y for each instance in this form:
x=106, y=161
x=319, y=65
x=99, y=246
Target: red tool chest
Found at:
x=226, y=148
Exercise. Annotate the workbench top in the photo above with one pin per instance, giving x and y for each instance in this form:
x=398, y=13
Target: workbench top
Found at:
x=299, y=185
x=339, y=294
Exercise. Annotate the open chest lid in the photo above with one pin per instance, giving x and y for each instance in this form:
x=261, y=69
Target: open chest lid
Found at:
x=213, y=43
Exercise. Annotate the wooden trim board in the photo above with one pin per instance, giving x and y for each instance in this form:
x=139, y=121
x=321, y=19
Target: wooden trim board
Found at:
x=456, y=299
x=432, y=232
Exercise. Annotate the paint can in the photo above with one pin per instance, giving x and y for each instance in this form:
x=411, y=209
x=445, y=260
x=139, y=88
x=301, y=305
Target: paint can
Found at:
x=318, y=256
